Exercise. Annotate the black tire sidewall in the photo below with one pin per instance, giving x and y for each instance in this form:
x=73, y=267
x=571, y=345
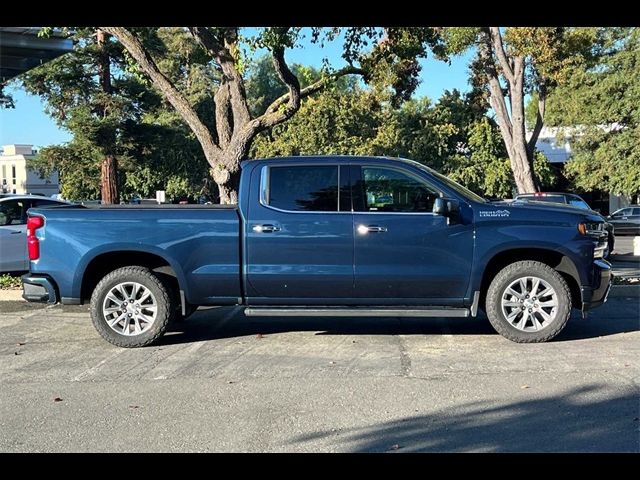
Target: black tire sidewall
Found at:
x=131, y=274
x=518, y=270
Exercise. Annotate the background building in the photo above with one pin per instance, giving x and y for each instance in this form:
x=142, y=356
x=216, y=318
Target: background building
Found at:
x=16, y=176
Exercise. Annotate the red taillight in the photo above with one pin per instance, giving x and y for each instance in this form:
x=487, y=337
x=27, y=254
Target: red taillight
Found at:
x=33, y=244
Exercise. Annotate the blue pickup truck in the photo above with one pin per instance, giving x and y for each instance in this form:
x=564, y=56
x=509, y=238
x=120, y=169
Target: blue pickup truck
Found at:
x=323, y=236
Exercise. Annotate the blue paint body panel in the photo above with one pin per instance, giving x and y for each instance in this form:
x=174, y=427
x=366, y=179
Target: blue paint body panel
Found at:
x=317, y=258
x=200, y=244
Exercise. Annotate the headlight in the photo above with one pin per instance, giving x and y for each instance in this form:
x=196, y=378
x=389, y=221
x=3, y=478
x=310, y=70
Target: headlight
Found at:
x=591, y=228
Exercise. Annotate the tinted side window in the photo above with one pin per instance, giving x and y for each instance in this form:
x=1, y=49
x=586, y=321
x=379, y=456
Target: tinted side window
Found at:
x=623, y=213
x=387, y=190
x=14, y=212
x=636, y=211
x=306, y=188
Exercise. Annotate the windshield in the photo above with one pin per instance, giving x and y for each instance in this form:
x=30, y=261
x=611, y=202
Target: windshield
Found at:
x=464, y=191
x=578, y=202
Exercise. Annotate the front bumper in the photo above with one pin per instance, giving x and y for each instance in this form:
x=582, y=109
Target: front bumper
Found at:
x=596, y=294
x=38, y=288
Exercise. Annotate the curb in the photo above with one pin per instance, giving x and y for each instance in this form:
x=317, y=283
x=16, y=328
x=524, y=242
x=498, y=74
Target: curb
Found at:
x=11, y=295
x=625, y=291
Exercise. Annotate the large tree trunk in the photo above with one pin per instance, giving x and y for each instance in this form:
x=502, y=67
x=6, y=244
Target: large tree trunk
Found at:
x=109, y=167
x=510, y=119
x=228, y=190
x=109, y=180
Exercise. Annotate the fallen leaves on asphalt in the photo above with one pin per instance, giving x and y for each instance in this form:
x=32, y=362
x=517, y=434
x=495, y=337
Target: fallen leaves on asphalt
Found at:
x=524, y=386
x=57, y=399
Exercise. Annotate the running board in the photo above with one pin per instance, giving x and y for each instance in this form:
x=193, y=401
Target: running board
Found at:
x=354, y=312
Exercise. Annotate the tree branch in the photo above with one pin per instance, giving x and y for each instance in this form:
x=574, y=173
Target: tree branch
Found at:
x=278, y=115
x=498, y=48
x=170, y=92
x=224, y=128
x=221, y=51
x=315, y=87
x=496, y=98
x=542, y=100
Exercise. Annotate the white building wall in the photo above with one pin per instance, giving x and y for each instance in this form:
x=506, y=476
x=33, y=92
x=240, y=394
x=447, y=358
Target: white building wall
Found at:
x=25, y=180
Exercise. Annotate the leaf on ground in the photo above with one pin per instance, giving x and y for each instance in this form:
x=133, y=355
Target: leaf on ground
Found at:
x=57, y=399
x=134, y=406
x=524, y=386
x=20, y=344
x=16, y=353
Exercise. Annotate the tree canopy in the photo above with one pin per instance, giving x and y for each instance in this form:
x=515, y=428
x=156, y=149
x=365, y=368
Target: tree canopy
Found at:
x=598, y=106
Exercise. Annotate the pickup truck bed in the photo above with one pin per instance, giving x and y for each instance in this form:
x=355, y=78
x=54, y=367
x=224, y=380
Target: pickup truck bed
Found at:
x=200, y=242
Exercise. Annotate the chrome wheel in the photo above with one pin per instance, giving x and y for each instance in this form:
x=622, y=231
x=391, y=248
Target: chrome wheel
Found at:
x=130, y=308
x=529, y=304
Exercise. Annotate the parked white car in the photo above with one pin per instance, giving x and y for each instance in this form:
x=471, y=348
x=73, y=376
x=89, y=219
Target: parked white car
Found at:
x=13, y=229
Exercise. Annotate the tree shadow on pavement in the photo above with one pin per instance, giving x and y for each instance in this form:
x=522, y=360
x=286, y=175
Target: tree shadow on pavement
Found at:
x=587, y=419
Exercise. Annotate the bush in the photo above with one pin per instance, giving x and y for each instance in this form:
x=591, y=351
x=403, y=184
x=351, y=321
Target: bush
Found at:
x=9, y=281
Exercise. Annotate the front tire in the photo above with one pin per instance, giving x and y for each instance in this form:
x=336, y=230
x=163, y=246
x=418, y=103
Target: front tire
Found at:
x=131, y=307
x=528, y=302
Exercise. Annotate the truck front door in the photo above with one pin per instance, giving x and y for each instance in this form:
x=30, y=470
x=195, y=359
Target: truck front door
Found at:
x=404, y=253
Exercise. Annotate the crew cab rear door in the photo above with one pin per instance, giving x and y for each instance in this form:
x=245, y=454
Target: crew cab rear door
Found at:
x=299, y=235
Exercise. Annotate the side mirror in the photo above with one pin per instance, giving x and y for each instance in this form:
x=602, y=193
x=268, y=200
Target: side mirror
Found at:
x=447, y=207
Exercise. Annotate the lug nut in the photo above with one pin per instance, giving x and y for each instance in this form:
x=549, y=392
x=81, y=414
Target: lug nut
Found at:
x=128, y=314
x=530, y=310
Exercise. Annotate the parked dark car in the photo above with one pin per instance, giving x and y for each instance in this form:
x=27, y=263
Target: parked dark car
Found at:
x=13, y=229
x=626, y=220
x=575, y=201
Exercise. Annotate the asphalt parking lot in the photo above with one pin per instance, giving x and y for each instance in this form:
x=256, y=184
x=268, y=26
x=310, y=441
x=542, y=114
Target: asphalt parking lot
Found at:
x=225, y=382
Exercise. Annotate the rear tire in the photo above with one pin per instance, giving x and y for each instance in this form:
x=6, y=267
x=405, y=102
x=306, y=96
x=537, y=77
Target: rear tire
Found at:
x=131, y=307
x=528, y=302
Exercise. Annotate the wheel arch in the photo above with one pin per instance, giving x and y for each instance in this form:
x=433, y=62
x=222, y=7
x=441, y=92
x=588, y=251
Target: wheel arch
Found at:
x=556, y=260
x=105, y=262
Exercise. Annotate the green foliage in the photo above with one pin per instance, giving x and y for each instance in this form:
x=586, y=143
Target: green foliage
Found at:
x=9, y=282
x=599, y=107
x=153, y=146
x=452, y=136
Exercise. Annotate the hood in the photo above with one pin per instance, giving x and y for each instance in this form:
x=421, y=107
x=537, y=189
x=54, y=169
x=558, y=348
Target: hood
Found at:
x=523, y=206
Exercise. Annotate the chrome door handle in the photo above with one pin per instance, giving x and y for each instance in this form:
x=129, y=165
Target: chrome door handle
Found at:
x=265, y=228
x=364, y=229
